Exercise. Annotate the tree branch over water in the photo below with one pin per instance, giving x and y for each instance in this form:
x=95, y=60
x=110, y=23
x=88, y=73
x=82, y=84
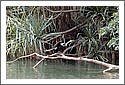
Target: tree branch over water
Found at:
x=62, y=56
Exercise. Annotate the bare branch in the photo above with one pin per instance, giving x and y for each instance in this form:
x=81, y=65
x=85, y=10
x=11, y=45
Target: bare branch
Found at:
x=64, y=32
x=62, y=11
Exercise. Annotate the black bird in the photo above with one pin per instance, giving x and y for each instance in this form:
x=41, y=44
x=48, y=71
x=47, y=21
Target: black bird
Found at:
x=59, y=47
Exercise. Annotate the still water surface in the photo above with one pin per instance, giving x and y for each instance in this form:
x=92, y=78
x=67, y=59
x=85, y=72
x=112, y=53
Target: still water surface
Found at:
x=57, y=69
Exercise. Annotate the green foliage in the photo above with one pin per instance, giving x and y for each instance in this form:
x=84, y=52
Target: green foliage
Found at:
x=24, y=32
x=29, y=28
x=97, y=17
x=112, y=29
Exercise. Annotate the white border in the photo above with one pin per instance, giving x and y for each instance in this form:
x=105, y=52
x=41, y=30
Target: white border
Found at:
x=62, y=3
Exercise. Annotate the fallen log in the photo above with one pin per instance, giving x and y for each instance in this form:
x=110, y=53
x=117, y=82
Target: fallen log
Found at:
x=110, y=67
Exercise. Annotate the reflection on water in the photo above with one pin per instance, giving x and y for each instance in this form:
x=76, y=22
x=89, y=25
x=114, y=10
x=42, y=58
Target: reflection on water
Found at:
x=57, y=69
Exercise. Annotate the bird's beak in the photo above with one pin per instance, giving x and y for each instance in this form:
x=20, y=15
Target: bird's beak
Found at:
x=63, y=44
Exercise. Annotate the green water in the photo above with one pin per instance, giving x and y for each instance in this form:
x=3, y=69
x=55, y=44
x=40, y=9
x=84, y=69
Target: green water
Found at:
x=56, y=69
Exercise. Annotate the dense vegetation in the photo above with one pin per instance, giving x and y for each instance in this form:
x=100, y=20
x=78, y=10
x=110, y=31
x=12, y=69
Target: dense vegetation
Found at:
x=92, y=30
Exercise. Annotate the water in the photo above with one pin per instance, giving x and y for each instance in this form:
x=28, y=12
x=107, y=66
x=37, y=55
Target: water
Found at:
x=57, y=69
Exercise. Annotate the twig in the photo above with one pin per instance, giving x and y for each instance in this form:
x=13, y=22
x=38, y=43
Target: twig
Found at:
x=57, y=16
x=73, y=28
x=20, y=58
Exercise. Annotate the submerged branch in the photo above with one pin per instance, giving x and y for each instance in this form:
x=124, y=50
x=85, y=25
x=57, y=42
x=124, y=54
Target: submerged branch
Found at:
x=61, y=55
x=38, y=63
